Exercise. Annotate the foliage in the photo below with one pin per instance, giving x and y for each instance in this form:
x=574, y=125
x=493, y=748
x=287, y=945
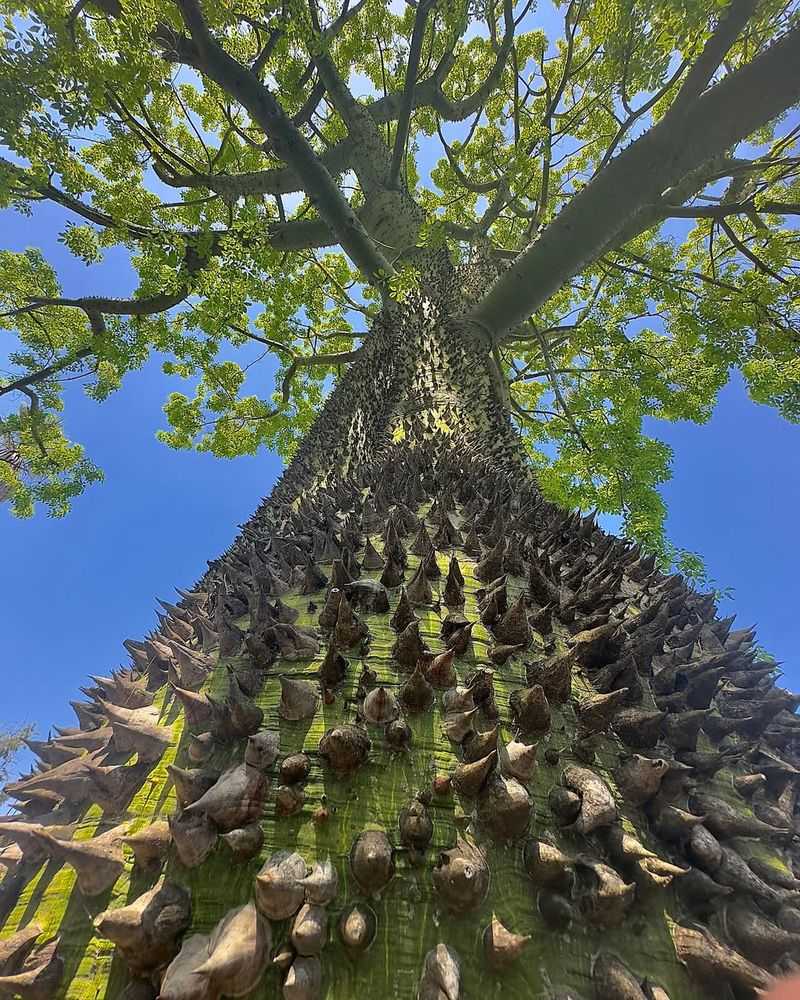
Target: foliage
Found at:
x=106, y=107
x=11, y=740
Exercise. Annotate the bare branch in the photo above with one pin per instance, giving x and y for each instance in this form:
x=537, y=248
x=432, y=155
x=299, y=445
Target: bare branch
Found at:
x=276, y=345
x=571, y=31
x=412, y=68
x=530, y=415
x=309, y=361
x=494, y=208
x=147, y=133
x=533, y=376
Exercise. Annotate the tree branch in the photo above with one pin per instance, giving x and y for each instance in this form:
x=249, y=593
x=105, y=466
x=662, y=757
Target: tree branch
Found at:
x=724, y=209
x=289, y=143
x=370, y=158
x=412, y=68
x=301, y=234
x=347, y=13
x=267, y=49
x=639, y=112
x=339, y=158
x=528, y=415
x=557, y=391
x=728, y=29
x=98, y=304
x=275, y=180
x=726, y=114
x=52, y=193
x=35, y=415
x=308, y=361
x=430, y=92
x=34, y=378
x=748, y=253
x=475, y=187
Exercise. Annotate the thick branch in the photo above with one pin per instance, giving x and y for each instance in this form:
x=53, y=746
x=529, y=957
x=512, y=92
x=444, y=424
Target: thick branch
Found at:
x=340, y=157
x=716, y=48
x=276, y=180
x=726, y=114
x=430, y=92
x=301, y=234
x=95, y=306
x=111, y=306
x=289, y=144
x=35, y=415
x=369, y=156
x=296, y=234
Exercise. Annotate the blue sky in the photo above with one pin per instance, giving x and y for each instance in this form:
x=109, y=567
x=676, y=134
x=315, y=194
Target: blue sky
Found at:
x=72, y=590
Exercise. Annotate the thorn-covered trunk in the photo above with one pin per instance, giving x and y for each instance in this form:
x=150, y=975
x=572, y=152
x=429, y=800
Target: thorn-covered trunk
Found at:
x=417, y=733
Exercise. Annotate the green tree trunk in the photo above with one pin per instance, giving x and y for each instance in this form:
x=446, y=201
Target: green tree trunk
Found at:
x=646, y=711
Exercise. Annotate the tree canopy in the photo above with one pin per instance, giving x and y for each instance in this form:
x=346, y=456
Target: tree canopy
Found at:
x=275, y=171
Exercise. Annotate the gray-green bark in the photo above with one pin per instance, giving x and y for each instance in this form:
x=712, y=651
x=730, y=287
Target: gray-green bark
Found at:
x=650, y=839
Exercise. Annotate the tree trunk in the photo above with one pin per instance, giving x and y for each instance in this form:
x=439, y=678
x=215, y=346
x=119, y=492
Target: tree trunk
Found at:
x=590, y=872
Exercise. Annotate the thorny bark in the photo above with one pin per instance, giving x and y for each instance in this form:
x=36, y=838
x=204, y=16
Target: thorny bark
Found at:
x=627, y=766
x=663, y=800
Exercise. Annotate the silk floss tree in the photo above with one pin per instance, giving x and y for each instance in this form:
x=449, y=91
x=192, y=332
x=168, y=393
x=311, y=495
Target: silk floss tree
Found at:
x=420, y=731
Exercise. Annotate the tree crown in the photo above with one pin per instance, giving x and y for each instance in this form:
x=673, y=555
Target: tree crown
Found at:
x=276, y=170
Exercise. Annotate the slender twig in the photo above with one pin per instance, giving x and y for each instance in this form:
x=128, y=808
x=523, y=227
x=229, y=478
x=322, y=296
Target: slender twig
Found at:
x=725, y=209
x=639, y=112
x=477, y=187
x=747, y=252
x=557, y=392
x=34, y=378
x=343, y=357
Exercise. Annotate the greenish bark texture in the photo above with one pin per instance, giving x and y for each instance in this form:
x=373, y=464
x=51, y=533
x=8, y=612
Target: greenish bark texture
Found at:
x=513, y=758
